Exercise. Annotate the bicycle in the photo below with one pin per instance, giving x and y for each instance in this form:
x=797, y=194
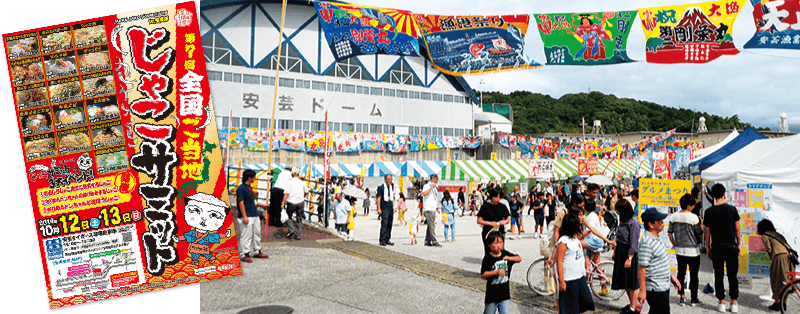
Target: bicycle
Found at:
x=790, y=294
x=544, y=280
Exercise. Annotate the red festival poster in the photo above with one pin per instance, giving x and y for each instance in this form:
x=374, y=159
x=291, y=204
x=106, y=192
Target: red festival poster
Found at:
x=122, y=154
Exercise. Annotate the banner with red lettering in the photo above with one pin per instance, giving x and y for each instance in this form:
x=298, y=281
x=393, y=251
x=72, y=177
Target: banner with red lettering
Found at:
x=122, y=154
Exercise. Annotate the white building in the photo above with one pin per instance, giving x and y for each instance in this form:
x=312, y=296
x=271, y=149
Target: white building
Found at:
x=369, y=94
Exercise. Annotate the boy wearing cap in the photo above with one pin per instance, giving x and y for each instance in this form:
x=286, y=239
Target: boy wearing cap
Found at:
x=654, y=273
x=684, y=232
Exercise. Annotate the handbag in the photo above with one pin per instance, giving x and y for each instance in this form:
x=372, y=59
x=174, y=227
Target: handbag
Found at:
x=793, y=258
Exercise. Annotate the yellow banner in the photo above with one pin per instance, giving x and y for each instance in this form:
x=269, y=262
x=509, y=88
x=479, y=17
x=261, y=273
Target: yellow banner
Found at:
x=660, y=192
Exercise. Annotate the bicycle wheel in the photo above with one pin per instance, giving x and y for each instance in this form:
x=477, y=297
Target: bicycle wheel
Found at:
x=598, y=279
x=538, y=275
x=790, y=298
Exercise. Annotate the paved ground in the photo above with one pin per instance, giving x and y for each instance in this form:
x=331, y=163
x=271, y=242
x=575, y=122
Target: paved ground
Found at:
x=322, y=273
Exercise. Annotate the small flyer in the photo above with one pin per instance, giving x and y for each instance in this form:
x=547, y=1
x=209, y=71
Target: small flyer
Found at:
x=121, y=153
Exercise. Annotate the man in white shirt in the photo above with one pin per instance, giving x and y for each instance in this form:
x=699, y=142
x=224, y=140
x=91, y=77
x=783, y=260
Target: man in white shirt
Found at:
x=385, y=197
x=341, y=213
x=430, y=201
x=293, y=203
x=276, y=196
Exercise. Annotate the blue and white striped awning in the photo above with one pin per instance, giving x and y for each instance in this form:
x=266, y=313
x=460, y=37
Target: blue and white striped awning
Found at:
x=422, y=168
x=382, y=168
x=346, y=170
x=256, y=167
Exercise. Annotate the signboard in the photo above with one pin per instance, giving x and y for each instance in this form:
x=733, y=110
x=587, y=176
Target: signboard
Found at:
x=542, y=168
x=659, y=192
x=751, y=201
x=123, y=163
x=587, y=167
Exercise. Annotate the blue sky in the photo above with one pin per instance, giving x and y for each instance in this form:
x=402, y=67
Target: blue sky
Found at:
x=757, y=84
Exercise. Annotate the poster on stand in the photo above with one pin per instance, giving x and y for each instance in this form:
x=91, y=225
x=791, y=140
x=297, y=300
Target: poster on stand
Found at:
x=751, y=200
x=122, y=154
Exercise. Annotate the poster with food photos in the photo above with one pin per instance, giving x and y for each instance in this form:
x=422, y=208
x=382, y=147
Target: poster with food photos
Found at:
x=121, y=153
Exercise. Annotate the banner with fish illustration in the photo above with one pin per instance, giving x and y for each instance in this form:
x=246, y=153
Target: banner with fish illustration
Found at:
x=372, y=142
x=777, y=24
x=417, y=143
x=452, y=141
x=435, y=142
x=347, y=142
x=467, y=45
x=692, y=33
x=585, y=38
x=396, y=143
x=353, y=30
x=292, y=140
x=121, y=169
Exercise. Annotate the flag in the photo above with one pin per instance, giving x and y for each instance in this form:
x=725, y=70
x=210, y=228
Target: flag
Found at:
x=693, y=33
x=372, y=142
x=347, y=142
x=585, y=38
x=465, y=45
x=353, y=30
x=777, y=24
x=396, y=143
x=292, y=140
x=417, y=143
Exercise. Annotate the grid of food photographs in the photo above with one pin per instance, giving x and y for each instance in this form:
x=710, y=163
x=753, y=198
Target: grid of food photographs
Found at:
x=65, y=96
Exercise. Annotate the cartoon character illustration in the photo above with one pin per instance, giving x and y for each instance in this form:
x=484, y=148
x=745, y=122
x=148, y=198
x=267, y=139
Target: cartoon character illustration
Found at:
x=204, y=213
x=84, y=162
x=592, y=36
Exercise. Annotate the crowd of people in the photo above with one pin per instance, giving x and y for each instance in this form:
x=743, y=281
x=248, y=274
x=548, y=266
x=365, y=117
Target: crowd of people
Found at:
x=583, y=218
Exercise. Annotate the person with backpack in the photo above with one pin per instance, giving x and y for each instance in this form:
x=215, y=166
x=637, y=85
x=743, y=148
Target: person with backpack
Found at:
x=778, y=250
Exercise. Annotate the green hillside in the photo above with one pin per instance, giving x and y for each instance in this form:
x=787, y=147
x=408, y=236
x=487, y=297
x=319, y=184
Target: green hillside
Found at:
x=537, y=113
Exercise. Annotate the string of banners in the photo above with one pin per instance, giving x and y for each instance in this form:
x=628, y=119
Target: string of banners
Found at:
x=469, y=45
x=314, y=141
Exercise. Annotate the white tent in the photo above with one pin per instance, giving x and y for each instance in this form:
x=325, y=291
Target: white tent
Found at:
x=700, y=153
x=775, y=161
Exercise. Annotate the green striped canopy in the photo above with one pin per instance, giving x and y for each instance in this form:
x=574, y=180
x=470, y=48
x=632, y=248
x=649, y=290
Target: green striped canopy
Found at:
x=474, y=170
x=565, y=168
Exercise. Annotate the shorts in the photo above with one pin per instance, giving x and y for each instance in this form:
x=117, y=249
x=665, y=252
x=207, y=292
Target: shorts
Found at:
x=539, y=220
x=594, y=244
x=515, y=221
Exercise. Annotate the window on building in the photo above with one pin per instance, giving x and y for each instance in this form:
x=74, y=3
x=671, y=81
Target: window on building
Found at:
x=250, y=122
x=388, y=129
x=285, y=124
x=251, y=79
x=426, y=96
x=306, y=125
x=214, y=75
x=401, y=73
x=375, y=128
x=290, y=61
x=413, y=94
x=376, y=91
x=448, y=98
x=224, y=121
x=216, y=51
x=437, y=97
x=388, y=92
x=458, y=132
x=347, y=88
x=402, y=93
x=349, y=68
x=336, y=126
x=286, y=82
x=268, y=80
x=318, y=85
x=449, y=132
x=417, y=130
x=234, y=122
x=348, y=127
x=265, y=124
x=426, y=130
x=469, y=132
x=304, y=84
x=362, y=90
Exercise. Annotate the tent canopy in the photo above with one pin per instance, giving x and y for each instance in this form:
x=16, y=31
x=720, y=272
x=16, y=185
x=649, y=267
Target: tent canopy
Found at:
x=422, y=168
x=766, y=161
x=485, y=169
x=700, y=153
x=382, y=168
x=745, y=138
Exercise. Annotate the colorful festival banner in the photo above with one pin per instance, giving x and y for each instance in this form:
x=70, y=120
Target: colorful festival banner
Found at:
x=121, y=169
x=315, y=142
x=257, y=140
x=507, y=140
x=453, y=141
x=396, y=143
x=525, y=147
x=353, y=30
x=292, y=140
x=435, y=142
x=417, y=143
x=236, y=137
x=466, y=45
x=692, y=33
x=586, y=38
x=472, y=142
x=347, y=142
x=777, y=24
x=371, y=142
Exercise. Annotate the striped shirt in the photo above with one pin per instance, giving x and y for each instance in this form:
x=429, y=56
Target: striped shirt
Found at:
x=653, y=255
